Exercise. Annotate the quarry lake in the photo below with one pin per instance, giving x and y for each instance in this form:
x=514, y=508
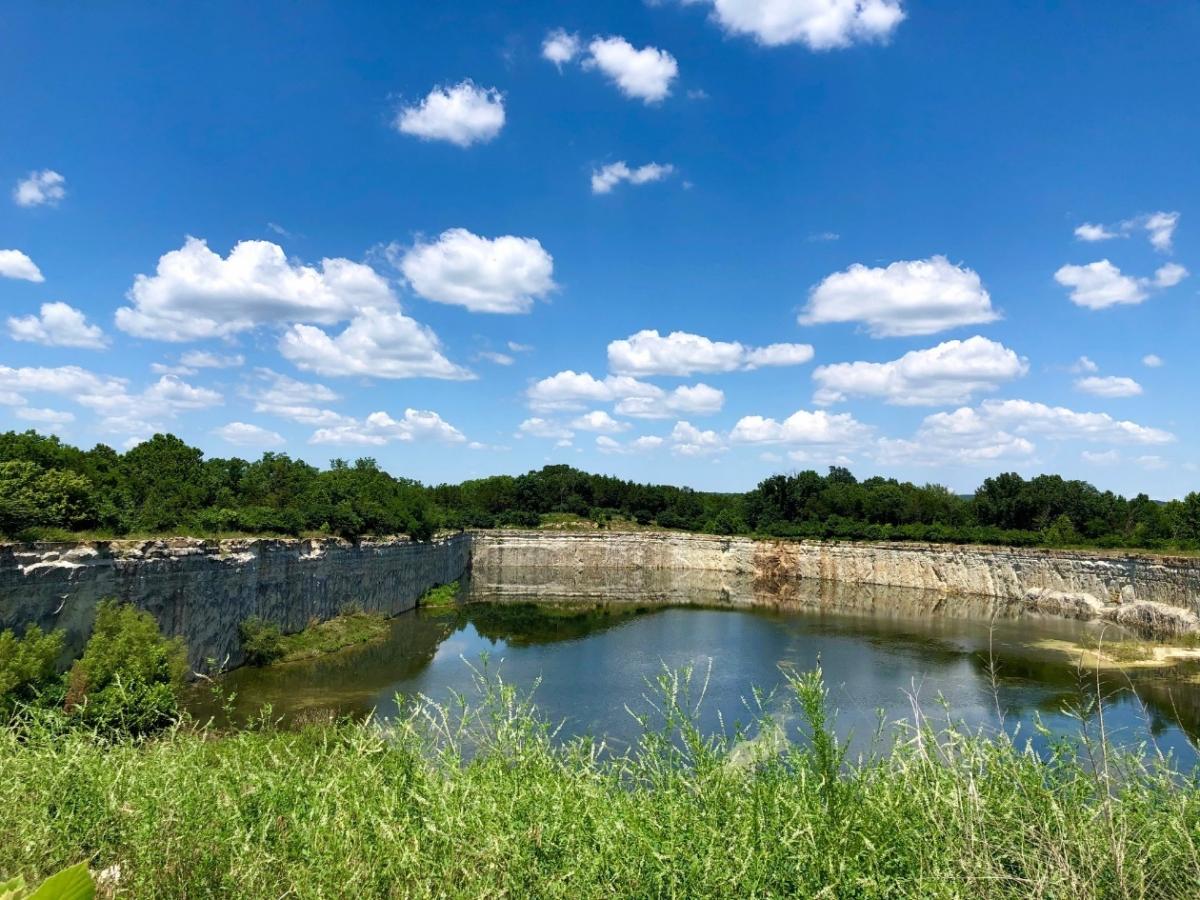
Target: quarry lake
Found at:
x=591, y=666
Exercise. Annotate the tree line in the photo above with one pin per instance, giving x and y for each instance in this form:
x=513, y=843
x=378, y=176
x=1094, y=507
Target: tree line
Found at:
x=48, y=488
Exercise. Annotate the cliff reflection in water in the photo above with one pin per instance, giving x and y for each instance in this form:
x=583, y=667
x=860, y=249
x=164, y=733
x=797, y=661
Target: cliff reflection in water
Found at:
x=597, y=646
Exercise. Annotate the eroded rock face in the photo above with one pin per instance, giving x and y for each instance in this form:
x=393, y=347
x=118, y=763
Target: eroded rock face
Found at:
x=202, y=590
x=1154, y=594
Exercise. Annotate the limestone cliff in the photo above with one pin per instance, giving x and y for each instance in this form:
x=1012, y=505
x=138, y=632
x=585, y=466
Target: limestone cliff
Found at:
x=202, y=590
x=1155, y=594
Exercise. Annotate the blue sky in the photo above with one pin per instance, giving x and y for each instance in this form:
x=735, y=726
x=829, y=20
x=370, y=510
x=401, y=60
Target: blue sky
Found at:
x=695, y=242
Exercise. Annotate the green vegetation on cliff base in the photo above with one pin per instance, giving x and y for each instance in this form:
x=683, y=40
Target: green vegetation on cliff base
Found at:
x=264, y=644
x=481, y=801
x=50, y=490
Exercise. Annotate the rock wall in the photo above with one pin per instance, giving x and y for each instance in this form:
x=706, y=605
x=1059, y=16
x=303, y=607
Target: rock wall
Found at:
x=202, y=590
x=1155, y=594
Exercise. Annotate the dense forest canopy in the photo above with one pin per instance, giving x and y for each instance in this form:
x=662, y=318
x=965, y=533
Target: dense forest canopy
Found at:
x=48, y=488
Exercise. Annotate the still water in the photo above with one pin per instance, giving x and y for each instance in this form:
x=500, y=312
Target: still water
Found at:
x=593, y=663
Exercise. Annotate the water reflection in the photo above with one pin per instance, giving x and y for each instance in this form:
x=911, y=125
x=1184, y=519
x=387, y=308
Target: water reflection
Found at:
x=596, y=659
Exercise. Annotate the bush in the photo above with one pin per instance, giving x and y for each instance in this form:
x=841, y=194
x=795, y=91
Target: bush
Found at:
x=27, y=664
x=262, y=641
x=130, y=677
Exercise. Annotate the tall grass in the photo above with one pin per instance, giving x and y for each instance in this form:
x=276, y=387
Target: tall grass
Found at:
x=479, y=798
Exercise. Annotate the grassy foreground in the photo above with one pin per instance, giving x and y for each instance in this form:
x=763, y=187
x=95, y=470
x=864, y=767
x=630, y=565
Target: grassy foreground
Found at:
x=480, y=801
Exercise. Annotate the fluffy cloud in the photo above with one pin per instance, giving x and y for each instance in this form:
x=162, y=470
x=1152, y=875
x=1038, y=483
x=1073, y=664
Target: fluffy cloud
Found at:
x=1092, y=233
x=494, y=275
x=1161, y=229
x=1100, y=285
x=1169, y=275
x=560, y=47
x=45, y=187
x=906, y=298
x=1083, y=364
x=287, y=398
x=608, y=177
x=817, y=24
x=679, y=353
x=644, y=74
x=951, y=372
x=1101, y=457
x=1000, y=429
x=380, y=428
x=1152, y=361
x=376, y=343
x=196, y=294
x=1108, y=386
x=688, y=440
x=66, y=381
x=138, y=414
x=201, y=359
x=247, y=435
x=570, y=390
x=606, y=444
x=57, y=325
x=48, y=419
x=1158, y=226
x=15, y=264
x=542, y=428
x=463, y=114
x=685, y=400
x=499, y=359
x=599, y=421
x=801, y=427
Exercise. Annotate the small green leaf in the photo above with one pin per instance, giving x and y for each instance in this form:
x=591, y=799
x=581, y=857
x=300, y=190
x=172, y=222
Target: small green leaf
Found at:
x=74, y=883
x=12, y=889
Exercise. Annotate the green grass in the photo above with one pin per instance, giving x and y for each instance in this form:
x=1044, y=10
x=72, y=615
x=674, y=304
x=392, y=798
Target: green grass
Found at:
x=479, y=800
x=440, y=596
x=338, y=633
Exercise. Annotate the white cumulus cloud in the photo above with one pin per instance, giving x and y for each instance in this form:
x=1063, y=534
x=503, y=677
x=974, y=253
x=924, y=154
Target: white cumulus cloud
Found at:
x=493, y=275
x=570, y=390
x=679, y=353
x=1092, y=233
x=1161, y=229
x=951, y=372
x=1108, y=386
x=801, y=427
x=1101, y=284
x=15, y=264
x=380, y=428
x=817, y=24
x=688, y=440
x=608, y=177
x=644, y=74
x=42, y=188
x=1152, y=361
x=599, y=421
x=544, y=428
x=560, y=47
x=910, y=297
x=246, y=435
x=195, y=293
x=463, y=114
x=57, y=325
x=376, y=343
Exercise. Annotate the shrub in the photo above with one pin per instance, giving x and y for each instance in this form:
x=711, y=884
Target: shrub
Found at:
x=262, y=641
x=27, y=664
x=130, y=677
